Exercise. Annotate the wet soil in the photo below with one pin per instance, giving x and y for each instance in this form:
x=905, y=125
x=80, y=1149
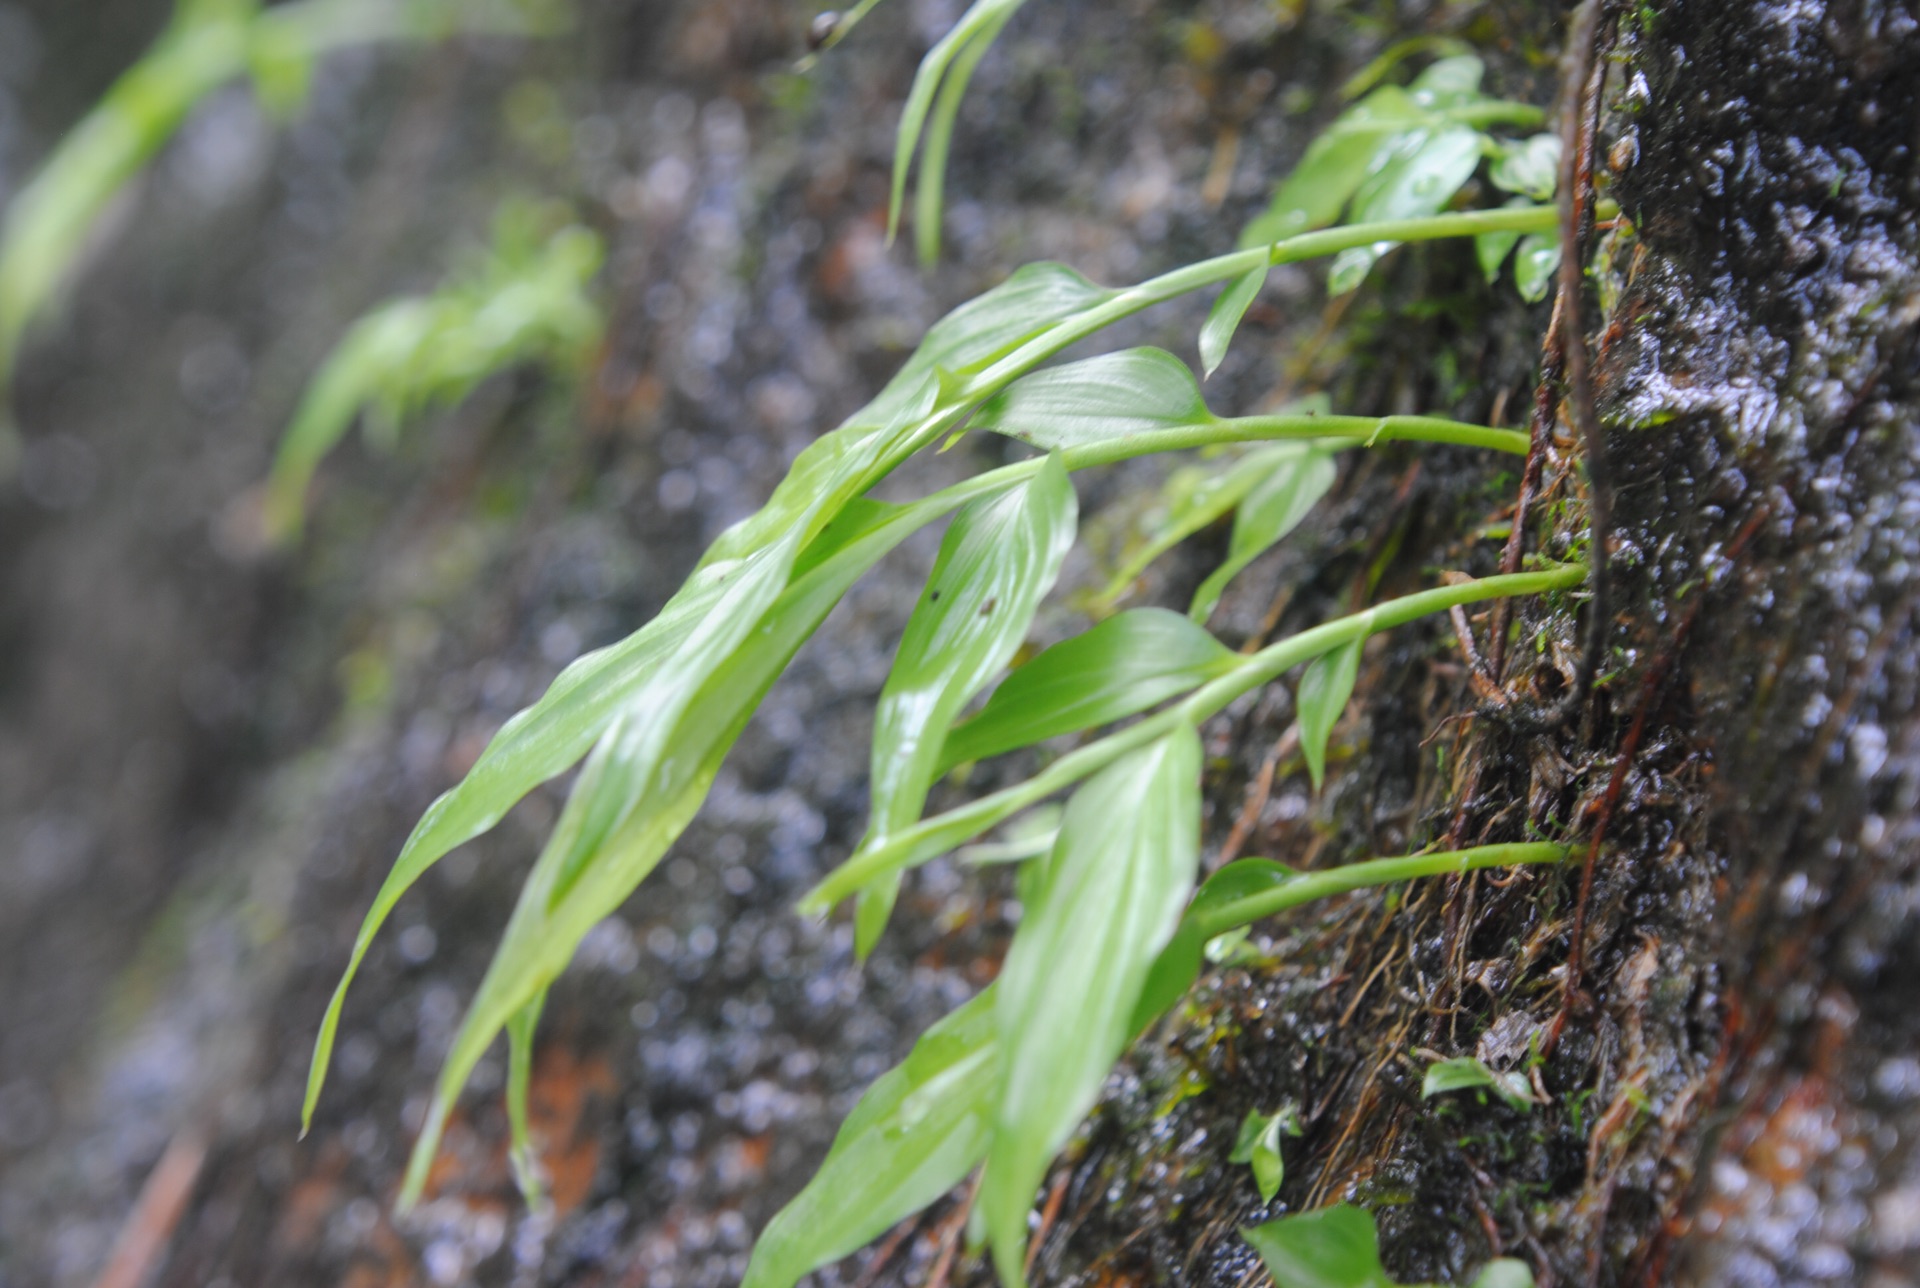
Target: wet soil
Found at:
x=208, y=756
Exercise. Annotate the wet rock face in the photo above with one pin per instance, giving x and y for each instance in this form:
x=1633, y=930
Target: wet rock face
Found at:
x=1760, y=377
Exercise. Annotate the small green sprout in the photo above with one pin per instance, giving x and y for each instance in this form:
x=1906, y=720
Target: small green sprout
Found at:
x=1258, y=1146
x=1466, y=1073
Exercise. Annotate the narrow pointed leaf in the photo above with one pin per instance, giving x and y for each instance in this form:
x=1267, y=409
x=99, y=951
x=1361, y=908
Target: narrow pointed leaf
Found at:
x=1271, y=510
x=1110, y=900
x=929, y=194
x=525, y=1159
x=1424, y=170
x=1114, y=396
x=1223, y=319
x=1000, y=557
x=919, y=1129
x=738, y=576
x=1191, y=499
x=638, y=791
x=1334, y=167
x=983, y=16
x=1323, y=694
x=1128, y=663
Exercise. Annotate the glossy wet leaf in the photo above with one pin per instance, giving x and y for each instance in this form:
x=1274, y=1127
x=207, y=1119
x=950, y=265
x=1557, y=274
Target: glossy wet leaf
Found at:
x=1530, y=167
x=1258, y=1146
x=644, y=680
x=980, y=23
x=1322, y=697
x=1272, y=508
x=1422, y=172
x=999, y=558
x=1126, y=664
x=1193, y=498
x=1223, y=319
x=1110, y=899
x=524, y=302
x=1338, y=1247
x=1464, y=1073
x=1336, y=164
x=918, y=1130
x=1237, y=882
x=1113, y=396
x=930, y=193
x=1534, y=264
x=644, y=781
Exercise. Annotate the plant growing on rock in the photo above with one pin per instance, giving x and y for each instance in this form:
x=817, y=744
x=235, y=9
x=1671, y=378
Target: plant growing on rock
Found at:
x=1113, y=929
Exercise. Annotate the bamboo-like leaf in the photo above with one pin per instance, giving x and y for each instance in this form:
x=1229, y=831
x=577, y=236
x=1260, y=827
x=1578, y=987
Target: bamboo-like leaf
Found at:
x=1191, y=499
x=1113, y=396
x=984, y=16
x=523, y=1156
x=1273, y=508
x=1334, y=167
x=1110, y=900
x=1000, y=557
x=1423, y=171
x=1534, y=265
x=929, y=194
x=641, y=786
x=1223, y=319
x=1338, y=1247
x=651, y=672
x=1322, y=696
x=918, y=1130
x=1126, y=664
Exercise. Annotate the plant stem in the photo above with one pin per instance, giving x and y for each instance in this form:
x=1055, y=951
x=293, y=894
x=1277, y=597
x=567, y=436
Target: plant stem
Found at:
x=941, y=833
x=1309, y=886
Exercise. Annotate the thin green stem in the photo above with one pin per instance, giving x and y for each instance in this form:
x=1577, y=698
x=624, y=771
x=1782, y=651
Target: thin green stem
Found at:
x=1309, y=886
x=937, y=835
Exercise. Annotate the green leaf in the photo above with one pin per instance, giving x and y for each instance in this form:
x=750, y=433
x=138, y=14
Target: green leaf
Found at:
x=1530, y=167
x=1126, y=664
x=1322, y=696
x=1423, y=171
x=1000, y=557
x=1449, y=82
x=929, y=194
x=1338, y=1247
x=983, y=18
x=1223, y=319
x=1033, y=297
x=1239, y=880
x=1334, y=167
x=1110, y=901
x=1534, y=265
x=1334, y=1247
x=645, y=678
x=1465, y=1073
x=1258, y=1145
x=641, y=786
x=1273, y=508
x=918, y=1130
x=524, y=1158
x=1114, y=396
x=1492, y=249
x=1191, y=499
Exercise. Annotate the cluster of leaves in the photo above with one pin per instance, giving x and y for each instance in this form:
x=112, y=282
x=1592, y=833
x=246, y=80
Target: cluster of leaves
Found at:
x=1103, y=946
x=208, y=44
x=523, y=301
